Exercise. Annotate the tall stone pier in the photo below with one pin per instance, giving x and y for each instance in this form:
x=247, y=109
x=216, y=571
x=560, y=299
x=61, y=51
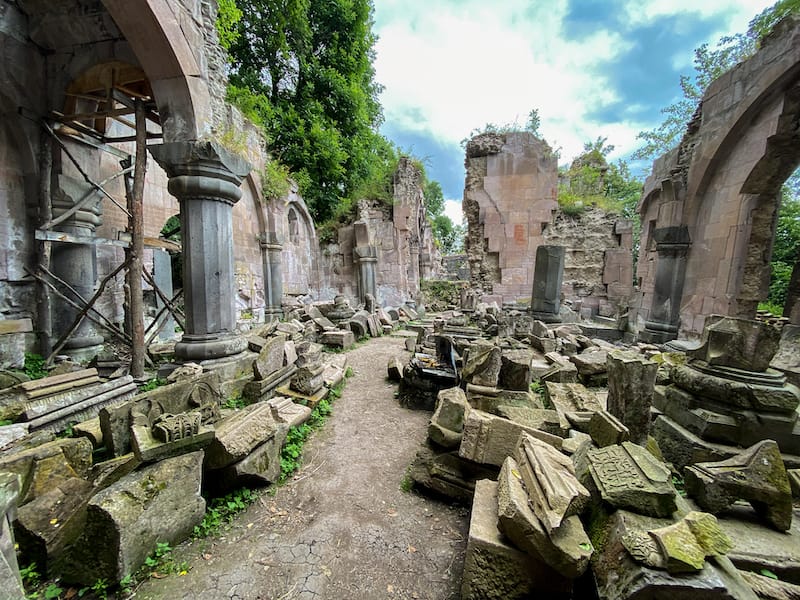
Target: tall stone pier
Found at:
x=76, y=263
x=548, y=274
x=205, y=178
x=672, y=245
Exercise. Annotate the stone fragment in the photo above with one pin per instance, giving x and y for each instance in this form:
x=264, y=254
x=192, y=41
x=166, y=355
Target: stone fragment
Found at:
x=260, y=467
x=549, y=479
x=255, y=343
x=489, y=439
x=489, y=399
x=124, y=522
x=627, y=476
x=236, y=436
x=447, y=474
x=42, y=467
x=679, y=548
x=410, y=343
x=567, y=549
x=338, y=338
x=482, y=364
x=757, y=475
x=447, y=423
x=495, y=569
x=708, y=533
x=169, y=436
x=515, y=370
x=49, y=524
x=631, y=380
x=10, y=433
x=289, y=352
x=10, y=580
x=308, y=380
x=622, y=565
x=287, y=412
x=320, y=320
x=185, y=371
x=395, y=369
x=570, y=397
x=770, y=588
x=738, y=343
x=309, y=355
x=794, y=481
x=607, y=430
x=591, y=362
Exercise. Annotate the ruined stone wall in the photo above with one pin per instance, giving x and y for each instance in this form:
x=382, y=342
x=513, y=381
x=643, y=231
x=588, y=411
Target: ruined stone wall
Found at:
x=598, y=265
x=509, y=199
x=717, y=194
x=402, y=236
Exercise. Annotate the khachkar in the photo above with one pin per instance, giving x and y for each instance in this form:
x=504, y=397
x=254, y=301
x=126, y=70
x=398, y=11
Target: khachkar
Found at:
x=726, y=397
x=205, y=178
x=548, y=273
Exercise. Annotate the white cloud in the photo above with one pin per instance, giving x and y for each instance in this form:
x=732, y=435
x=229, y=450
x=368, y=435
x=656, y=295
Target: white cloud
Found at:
x=449, y=67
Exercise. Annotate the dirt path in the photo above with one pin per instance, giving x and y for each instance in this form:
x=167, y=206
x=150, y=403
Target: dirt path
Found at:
x=342, y=529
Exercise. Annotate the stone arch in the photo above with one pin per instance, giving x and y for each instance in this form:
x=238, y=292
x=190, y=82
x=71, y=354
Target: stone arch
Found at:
x=725, y=179
x=300, y=248
x=154, y=32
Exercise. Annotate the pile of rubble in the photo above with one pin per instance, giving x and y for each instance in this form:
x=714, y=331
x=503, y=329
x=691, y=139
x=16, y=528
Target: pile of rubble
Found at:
x=126, y=470
x=556, y=440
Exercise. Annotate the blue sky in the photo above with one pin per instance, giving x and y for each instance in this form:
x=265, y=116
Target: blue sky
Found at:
x=591, y=68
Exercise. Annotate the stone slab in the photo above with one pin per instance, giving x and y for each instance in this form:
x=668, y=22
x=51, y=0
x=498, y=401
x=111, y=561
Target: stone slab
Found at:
x=495, y=569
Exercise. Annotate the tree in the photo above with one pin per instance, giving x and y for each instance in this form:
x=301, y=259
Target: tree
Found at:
x=303, y=70
x=786, y=248
x=709, y=63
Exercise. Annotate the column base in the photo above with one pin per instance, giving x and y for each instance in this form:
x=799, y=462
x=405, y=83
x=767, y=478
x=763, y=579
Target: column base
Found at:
x=546, y=317
x=658, y=333
x=204, y=347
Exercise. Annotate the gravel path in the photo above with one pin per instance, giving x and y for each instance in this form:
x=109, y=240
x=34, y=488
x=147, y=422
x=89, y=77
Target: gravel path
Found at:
x=342, y=529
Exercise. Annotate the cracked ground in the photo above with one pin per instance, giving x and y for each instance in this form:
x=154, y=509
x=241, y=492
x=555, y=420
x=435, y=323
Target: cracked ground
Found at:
x=341, y=528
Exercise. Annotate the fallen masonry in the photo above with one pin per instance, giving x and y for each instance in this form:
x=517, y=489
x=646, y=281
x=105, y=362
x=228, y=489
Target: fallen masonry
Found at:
x=577, y=488
x=132, y=469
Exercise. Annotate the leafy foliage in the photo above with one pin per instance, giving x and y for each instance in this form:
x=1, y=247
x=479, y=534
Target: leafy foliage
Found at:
x=709, y=63
x=34, y=366
x=786, y=248
x=303, y=71
x=221, y=511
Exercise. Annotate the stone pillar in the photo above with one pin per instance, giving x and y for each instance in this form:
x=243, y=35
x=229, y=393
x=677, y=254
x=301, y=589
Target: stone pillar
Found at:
x=548, y=272
x=631, y=381
x=9, y=569
x=76, y=264
x=162, y=274
x=791, y=308
x=367, y=259
x=205, y=178
x=413, y=268
x=273, y=275
x=672, y=245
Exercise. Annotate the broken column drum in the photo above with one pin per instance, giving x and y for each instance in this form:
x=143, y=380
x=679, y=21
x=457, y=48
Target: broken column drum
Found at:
x=273, y=274
x=205, y=178
x=672, y=245
x=76, y=263
x=548, y=274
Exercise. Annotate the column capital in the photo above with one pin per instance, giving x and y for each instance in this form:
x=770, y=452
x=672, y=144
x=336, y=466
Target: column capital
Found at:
x=201, y=170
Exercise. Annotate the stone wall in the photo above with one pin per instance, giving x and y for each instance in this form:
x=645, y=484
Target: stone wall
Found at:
x=401, y=236
x=509, y=199
x=511, y=208
x=598, y=266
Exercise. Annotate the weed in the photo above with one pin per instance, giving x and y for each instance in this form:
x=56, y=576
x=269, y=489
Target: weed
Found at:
x=152, y=384
x=348, y=372
x=221, y=511
x=235, y=402
x=35, y=366
x=100, y=588
x=407, y=482
x=537, y=387
x=30, y=575
x=52, y=592
x=4, y=422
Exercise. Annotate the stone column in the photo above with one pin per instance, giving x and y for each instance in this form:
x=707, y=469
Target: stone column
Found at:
x=367, y=259
x=205, y=178
x=548, y=272
x=273, y=275
x=672, y=245
x=162, y=274
x=76, y=264
x=631, y=381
